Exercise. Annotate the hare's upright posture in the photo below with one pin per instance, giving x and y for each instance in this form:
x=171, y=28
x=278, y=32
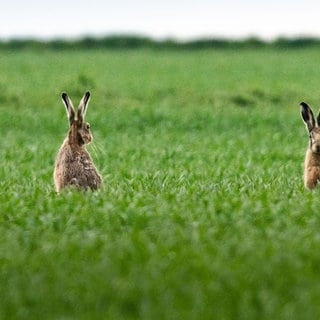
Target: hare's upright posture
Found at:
x=73, y=164
x=312, y=161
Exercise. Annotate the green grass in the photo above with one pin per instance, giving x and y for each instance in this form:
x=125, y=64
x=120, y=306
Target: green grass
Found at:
x=203, y=214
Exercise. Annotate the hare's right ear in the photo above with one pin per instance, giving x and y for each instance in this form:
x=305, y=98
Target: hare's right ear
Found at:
x=83, y=106
x=69, y=107
x=307, y=116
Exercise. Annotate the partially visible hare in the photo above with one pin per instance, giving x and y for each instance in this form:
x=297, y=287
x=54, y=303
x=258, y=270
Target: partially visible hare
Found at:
x=312, y=161
x=73, y=164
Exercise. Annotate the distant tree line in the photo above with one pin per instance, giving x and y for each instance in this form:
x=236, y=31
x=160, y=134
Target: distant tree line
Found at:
x=137, y=42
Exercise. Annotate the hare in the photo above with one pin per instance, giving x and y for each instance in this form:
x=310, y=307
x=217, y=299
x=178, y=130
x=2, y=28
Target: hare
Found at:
x=73, y=165
x=312, y=160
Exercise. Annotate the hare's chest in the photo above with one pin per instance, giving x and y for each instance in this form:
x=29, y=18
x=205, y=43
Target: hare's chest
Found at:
x=83, y=160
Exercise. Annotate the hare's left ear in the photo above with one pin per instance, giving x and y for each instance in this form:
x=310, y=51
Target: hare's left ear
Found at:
x=307, y=116
x=83, y=106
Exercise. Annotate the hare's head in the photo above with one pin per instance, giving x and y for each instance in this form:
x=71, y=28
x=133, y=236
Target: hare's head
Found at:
x=79, y=132
x=313, y=127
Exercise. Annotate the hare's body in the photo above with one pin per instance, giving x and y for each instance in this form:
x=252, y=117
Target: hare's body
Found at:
x=74, y=166
x=311, y=169
x=312, y=160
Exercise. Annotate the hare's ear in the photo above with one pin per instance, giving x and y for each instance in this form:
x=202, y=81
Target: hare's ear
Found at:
x=318, y=120
x=307, y=116
x=83, y=106
x=69, y=107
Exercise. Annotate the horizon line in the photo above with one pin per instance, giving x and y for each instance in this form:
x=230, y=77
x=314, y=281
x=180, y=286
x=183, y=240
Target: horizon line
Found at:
x=176, y=39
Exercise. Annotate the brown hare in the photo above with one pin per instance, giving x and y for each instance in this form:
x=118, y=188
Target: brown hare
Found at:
x=312, y=160
x=73, y=165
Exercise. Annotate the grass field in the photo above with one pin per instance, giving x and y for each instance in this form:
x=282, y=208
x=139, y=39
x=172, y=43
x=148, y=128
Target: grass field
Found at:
x=203, y=214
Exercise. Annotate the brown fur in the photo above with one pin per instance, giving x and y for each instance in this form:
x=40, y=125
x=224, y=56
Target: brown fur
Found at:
x=312, y=160
x=73, y=164
x=311, y=169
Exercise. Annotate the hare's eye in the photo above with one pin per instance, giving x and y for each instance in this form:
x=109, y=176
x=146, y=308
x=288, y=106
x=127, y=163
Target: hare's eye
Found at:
x=88, y=126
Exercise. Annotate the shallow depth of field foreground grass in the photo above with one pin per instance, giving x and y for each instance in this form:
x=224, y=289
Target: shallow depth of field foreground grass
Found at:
x=203, y=214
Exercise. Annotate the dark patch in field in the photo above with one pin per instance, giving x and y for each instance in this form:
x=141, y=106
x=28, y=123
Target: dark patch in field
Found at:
x=8, y=98
x=242, y=100
x=256, y=97
x=81, y=84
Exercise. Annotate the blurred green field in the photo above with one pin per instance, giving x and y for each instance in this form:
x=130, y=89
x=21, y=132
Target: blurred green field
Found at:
x=203, y=214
